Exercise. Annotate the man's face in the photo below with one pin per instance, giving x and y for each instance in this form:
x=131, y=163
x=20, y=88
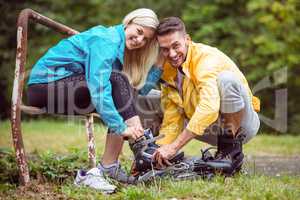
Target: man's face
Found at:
x=174, y=47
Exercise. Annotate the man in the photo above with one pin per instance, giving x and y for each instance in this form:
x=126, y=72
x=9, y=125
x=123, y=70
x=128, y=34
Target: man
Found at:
x=202, y=90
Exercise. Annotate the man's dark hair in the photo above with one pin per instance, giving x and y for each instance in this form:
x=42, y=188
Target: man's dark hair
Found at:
x=170, y=25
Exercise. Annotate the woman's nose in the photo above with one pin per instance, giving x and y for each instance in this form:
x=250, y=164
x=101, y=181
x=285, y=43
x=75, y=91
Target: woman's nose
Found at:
x=140, y=38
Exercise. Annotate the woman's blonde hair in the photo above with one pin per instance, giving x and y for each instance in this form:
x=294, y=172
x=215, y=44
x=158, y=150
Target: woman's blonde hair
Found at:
x=138, y=62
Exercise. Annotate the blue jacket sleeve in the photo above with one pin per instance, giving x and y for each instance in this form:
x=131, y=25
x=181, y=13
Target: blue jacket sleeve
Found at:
x=151, y=81
x=98, y=71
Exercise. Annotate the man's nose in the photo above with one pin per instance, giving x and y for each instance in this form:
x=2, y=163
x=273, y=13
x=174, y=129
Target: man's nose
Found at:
x=172, y=53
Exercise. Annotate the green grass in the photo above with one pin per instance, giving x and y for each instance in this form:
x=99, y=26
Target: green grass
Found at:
x=239, y=187
x=235, y=188
x=58, y=148
x=57, y=135
x=63, y=135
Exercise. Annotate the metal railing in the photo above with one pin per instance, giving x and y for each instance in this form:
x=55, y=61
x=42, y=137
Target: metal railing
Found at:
x=17, y=107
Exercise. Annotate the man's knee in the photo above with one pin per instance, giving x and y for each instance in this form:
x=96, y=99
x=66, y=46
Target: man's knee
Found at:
x=227, y=79
x=230, y=88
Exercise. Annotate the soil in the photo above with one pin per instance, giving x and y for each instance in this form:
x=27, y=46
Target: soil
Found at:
x=272, y=165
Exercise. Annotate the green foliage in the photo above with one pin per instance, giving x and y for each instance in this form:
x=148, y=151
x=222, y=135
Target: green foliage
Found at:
x=259, y=35
x=58, y=168
x=46, y=166
x=8, y=167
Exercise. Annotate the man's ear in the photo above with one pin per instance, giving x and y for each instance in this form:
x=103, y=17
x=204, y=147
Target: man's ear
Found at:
x=188, y=38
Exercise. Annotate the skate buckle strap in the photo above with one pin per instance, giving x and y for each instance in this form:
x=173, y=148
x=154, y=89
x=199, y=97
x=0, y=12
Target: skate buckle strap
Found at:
x=180, y=166
x=206, y=154
x=148, y=141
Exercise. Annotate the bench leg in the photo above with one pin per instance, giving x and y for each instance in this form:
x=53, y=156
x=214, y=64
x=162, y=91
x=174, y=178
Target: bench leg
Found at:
x=19, y=146
x=89, y=125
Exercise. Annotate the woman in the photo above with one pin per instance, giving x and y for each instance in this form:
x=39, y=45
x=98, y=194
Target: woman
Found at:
x=86, y=68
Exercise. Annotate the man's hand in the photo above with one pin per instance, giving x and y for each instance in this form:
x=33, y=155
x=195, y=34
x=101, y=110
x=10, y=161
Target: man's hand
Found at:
x=163, y=154
x=168, y=151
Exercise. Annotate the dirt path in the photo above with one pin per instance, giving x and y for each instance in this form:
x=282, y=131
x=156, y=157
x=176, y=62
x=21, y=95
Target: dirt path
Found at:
x=273, y=165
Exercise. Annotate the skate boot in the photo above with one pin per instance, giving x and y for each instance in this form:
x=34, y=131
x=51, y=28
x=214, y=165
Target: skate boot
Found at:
x=229, y=156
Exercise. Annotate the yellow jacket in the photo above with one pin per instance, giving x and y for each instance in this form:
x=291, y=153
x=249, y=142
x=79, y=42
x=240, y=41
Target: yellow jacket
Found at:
x=200, y=104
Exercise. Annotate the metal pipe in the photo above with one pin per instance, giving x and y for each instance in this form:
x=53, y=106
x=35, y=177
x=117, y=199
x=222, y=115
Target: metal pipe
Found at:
x=89, y=125
x=21, y=53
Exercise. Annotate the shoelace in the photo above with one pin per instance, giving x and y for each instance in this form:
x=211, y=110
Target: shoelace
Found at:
x=219, y=155
x=120, y=172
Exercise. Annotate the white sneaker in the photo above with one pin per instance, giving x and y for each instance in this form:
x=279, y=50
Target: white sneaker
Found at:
x=94, y=179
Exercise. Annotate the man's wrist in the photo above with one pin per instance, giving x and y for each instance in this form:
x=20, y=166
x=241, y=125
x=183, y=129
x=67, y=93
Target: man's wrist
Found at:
x=176, y=145
x=182, y=139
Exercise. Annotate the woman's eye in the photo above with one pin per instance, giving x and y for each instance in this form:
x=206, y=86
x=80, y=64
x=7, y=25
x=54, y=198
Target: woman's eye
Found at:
x=139, y=31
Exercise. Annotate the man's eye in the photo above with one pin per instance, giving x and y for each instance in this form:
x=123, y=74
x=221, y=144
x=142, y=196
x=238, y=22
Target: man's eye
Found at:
x=164, y=50
x=176, y=46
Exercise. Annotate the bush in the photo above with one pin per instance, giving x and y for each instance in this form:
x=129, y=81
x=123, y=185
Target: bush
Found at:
x=47, y=166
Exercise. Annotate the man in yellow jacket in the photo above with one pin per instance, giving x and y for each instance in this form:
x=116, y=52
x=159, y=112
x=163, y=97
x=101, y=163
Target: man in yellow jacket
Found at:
x=202, y=91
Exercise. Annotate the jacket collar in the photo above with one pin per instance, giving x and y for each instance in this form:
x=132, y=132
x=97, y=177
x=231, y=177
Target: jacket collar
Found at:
x=187, y=63
x=121, y=30
x=169, y=74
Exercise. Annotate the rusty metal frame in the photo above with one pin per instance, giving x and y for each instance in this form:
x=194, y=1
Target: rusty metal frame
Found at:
x=17, y=107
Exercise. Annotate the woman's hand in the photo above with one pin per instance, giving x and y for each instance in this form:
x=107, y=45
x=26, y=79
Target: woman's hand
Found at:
x=133, y=132
x=135, y=128
x=134, y=122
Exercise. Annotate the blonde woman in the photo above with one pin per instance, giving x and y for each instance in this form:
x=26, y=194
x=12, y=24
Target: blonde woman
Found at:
x=96, y=70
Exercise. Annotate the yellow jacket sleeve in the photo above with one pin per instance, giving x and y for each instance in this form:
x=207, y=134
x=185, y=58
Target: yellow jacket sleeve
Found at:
x=256, y=103
x=173, y=120
x=207, y=110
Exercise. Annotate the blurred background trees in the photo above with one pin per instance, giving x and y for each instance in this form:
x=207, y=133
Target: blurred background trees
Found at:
x=261, y=36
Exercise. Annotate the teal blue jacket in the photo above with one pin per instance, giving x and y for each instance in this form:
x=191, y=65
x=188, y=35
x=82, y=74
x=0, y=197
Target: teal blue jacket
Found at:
x=95, y=52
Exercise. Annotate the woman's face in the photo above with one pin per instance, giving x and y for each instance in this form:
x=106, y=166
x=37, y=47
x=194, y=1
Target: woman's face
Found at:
x=137, y=36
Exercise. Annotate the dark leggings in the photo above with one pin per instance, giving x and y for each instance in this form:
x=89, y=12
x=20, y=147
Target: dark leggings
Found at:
x=71, y=96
